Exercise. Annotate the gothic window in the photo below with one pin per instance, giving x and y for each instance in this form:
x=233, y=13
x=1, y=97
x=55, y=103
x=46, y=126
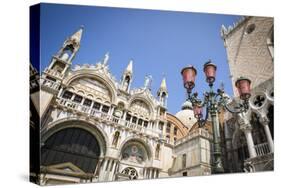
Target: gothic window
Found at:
x=134, y=120
x=157, y=151
x=184, y=161
x=128, y=117
x=87, y=102
x=77, y=98
x=175, y=139
x=105, y=109
x=67, y=95
x=145, y=124
x=96, y=106
x=131, y=172
x=116, y=138
x=184, y=174
x=140, y=122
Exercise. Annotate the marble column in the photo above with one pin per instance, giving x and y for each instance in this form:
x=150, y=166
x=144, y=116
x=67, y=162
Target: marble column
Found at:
x=60, y=92
x=103, y=169
x=112, y=172
x=265, y=122
x=250, y=143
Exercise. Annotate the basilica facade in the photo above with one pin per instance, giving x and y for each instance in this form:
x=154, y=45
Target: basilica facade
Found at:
x=95, y=128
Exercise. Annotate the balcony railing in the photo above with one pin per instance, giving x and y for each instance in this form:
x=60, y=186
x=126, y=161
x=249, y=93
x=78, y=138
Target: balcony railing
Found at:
x=88, y=111
x=262, y=149
x=49, y=83
x=54, y=73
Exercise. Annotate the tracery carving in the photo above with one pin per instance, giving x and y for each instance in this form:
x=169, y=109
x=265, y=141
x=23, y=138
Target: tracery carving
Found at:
x=94, y=87
x=131, y=172
x=140, y=108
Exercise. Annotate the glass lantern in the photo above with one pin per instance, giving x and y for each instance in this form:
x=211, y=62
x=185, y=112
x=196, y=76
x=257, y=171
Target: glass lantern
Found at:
x=243, y=86
x=210, y=72
x=188, y=76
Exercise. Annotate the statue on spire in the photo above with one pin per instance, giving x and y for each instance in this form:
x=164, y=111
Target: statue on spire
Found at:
x=147, y=82
x=105, y=59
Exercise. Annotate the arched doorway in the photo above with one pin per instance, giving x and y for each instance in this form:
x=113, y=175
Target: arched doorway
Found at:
x=72, y=145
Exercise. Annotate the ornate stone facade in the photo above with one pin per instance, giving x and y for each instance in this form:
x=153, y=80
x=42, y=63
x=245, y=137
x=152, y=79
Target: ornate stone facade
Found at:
x=97, y=128
x=249, y=137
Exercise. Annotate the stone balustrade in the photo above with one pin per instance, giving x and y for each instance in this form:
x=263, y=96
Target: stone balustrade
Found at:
x=86, y=110
x=262, y=149
x=54, y=73
x=49, y=83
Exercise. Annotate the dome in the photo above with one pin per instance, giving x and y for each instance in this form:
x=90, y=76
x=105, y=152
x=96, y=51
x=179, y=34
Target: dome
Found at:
x=186, y=105
x=186, y=115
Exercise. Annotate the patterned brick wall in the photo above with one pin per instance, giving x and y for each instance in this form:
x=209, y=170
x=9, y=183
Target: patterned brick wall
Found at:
x=248, y=53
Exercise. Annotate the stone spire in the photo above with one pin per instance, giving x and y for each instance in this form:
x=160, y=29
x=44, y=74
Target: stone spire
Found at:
x=127, y=77
x=77, y=35
x=163, y=87
x=163, y=92
x=129, y=69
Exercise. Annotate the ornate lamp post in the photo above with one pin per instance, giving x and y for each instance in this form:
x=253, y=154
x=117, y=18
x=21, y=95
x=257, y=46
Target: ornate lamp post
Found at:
x=213, y=101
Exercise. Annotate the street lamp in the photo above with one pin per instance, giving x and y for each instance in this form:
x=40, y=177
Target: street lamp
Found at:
x=214, y=101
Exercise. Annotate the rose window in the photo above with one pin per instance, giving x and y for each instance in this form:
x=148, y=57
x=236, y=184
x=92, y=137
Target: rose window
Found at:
x=131, y=172
x=259, y=100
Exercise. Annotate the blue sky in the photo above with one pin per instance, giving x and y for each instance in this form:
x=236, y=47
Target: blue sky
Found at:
x=159, y=42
